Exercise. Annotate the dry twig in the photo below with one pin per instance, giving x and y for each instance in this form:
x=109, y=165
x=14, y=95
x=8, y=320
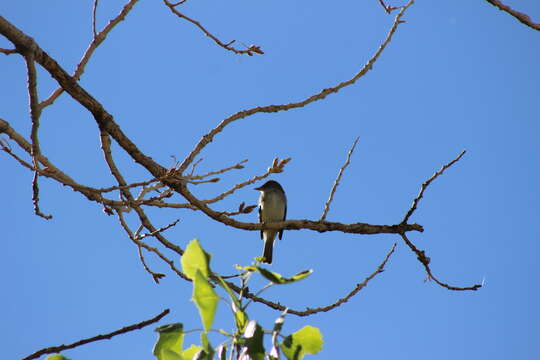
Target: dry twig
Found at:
x=35, y=113
x=251, y=50
x=336, y=182
x=206, y=139
x=523, y=18
x=126, y=329
x=421, y=256
x=97, y=40
x=426, y=184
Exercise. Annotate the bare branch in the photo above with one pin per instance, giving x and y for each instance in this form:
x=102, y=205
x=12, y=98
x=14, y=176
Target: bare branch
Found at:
x=35, y=113
x=97, y=40
x=138, y=326
x=8, y=51
x=147, y=247
x=358, y=287
x=94, y=10
x=421, y=256
x=217, y=172
x=253, y=49
x=206, y=139
x=426, y=184
x=311, y=311
x=523, y=18
x=336, y=182
x=50, y=170
x=162, y=229
x=155, y=276
x=118, y=187
x=387, y=8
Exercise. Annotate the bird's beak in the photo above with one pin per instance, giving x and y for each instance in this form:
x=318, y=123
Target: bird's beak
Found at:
x=259, y=188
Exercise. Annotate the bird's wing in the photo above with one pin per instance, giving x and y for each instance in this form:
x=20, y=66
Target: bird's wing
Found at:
x=260, y=220
x=284, y=217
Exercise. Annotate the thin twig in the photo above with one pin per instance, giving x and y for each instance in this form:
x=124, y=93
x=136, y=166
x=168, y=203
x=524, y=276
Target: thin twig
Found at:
x=106, y=148
x=336, y=182
x=94, y=10
x=387, y=8
x=217, y=172
x=147, y=247
x=206, y=139
x=253, y=49
x=523, y=18
x=8, y=51
x=311, y=311
x=421, y=256
x=97, y=40
x=161, y=229
x=426, y=184
x=35, y=113
x=126, y=329
x=118, y=187
x=156, y=276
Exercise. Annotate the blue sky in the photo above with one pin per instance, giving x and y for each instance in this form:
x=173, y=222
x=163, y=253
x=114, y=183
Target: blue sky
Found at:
x=457, y=75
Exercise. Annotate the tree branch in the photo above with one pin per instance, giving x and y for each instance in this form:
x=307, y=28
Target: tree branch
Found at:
x=523, y=18
x=97, y=40
x=426, y=184
x=253, y=49
x=421, y=256
x=57, y=349
x=336, y=182
x=206, y=139
x=35, y=113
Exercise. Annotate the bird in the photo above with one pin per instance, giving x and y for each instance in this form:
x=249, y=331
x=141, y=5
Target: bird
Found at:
x=272, y=208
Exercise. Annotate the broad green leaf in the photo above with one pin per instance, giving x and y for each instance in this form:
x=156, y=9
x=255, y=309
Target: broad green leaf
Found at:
x=56, y=357
x=190, y=352
x=195, y=258
x=253, y=341
x=279, y=279
x=205, y=298
x=170, y=341
x=307, y=340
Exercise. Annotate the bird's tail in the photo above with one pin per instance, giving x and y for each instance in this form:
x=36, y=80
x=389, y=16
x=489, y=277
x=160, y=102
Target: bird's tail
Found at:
x=268, y=247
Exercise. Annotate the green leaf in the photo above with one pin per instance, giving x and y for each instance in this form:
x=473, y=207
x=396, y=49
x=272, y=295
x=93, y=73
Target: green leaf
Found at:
x=239, y=315
x=195, y=258
x=279, y=279
x=170, y=341
x=205, y=298
x=307, y=340
x=56, y=357
x=253, y=341
x=190, y=352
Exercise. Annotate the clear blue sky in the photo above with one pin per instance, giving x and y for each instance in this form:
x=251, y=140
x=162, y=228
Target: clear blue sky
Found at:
x=458, y=75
